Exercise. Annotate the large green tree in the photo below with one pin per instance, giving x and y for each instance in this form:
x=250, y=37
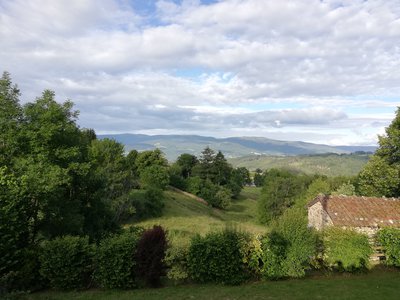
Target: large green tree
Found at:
x=381, y=175
x=10, y=119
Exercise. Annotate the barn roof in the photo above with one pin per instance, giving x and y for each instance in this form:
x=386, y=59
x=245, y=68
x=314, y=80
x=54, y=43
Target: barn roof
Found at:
x=355, y=211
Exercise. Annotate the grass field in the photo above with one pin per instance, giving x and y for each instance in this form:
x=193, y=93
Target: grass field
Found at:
x=379, y=284
x=183, y=217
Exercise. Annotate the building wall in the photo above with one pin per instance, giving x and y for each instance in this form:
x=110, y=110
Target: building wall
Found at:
x=318, y=217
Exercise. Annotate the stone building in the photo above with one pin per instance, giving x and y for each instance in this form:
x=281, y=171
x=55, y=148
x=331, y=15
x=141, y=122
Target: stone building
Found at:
x=364, y=214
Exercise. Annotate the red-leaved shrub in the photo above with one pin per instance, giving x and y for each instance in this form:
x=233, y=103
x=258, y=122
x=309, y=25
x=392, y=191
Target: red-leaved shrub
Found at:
x=150, y=255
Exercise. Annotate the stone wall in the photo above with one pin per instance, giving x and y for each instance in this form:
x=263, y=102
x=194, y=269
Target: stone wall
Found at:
x=318, y=218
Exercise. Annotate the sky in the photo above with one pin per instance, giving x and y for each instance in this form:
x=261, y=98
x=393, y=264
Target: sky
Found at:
x=324, y=71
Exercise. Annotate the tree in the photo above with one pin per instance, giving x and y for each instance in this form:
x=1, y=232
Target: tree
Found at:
x=186, y=162
x=154, y=176
x=380, y=177
x=220, y=169
x=207, y=159
x=150, y=158
x=10, y=120
x=280, y=190
x=258, y=178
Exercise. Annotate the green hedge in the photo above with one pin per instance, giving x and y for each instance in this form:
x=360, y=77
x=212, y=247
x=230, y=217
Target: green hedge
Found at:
x=67, y=262
x=176, y=260
x=346, y=250
x=289, y=247
x=389, y=238
x=217, y=258
x=115, y=260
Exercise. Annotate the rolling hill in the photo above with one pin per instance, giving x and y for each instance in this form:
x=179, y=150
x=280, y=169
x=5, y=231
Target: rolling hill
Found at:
x=183, y=216
x=174, y=145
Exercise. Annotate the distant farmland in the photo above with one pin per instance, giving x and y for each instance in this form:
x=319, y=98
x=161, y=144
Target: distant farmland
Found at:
x=324, y=164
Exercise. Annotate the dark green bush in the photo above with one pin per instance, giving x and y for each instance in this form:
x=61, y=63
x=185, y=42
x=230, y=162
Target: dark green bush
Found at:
x=389, y=238
x=115, y=260
x=346, y=250
x=25, y=276
x=150, y=255
x=217, y=258
x=290, y=246
x=67, y=262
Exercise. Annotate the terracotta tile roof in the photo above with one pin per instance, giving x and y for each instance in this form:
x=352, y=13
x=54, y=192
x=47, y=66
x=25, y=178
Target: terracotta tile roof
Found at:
x=355, y=211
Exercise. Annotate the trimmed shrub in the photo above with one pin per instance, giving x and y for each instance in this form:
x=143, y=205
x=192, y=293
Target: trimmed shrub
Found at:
x=389, y=238
x=274, y=248
x=290, y=246
x=25, y=276
x=115, y=260
x=251, y=251
x=176, y=260
x=346, y=250
x=217, y=258
x=150, y=255
x=66, y=262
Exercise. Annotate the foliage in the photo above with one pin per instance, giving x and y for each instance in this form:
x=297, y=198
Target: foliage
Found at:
x=280, y=190
x=176, y=260
x=379, y=178
x=346, y=250
x=289, y=247
x=222, y=198
x=14, y=225
x=251, y=252
x=193, y=185
x=318, y=186
x=24, y=276
x=67, y=262
x=150, y=255
x=176, y=178
x=186, y=162
x=154, y=177
x=150, y=158
x=216, y=258
x=115, y=260
x=389, y=239
x=381, y=175
x=258, y=178
x=147, y=203
x=347, y=189
x=274, y=248
x=10, y=118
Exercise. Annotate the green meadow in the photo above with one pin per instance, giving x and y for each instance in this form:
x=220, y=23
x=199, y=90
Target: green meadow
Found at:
x=183, y=216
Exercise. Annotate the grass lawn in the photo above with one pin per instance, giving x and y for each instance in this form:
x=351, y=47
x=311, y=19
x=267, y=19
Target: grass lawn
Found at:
x=183, y=217
x=382, y=284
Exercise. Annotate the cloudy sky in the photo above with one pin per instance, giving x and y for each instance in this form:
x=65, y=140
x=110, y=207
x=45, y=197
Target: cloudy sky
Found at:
x=318, y=71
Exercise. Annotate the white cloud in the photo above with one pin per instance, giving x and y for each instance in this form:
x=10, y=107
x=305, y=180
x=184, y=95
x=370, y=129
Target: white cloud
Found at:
x=192, y=67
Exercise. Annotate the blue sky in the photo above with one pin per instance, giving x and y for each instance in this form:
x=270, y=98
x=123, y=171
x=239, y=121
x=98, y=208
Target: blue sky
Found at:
x=318, y=71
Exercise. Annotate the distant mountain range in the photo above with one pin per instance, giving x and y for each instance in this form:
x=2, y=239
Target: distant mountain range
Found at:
x=174, y=145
